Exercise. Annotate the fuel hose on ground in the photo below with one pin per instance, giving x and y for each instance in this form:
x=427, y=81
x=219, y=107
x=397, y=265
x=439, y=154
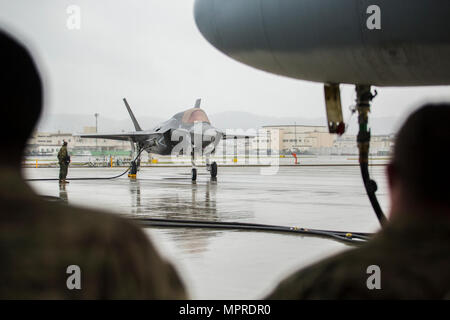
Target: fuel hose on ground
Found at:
x=348, y=237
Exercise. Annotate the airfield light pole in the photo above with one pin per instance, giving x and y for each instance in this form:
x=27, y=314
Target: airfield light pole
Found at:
x=258, y=136
x=96, y=122
x=96, y=128
x=295, y=134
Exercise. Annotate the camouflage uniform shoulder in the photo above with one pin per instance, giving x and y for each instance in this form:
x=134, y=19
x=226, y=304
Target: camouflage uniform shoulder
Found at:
x=135, y=268
x=412, y=258
x=322, y=280
x=41, y=239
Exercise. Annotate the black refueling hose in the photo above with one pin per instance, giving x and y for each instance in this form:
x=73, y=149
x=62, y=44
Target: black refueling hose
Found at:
x=348, y=237
x=364, y=97
x=94, y=178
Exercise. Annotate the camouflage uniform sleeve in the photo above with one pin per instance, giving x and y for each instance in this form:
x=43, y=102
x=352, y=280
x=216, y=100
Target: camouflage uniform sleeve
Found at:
x=135, y=270
x=303, y=284
x=339, y=277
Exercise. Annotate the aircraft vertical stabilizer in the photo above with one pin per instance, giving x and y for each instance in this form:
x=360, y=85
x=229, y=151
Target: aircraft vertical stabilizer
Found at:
x=133, y=118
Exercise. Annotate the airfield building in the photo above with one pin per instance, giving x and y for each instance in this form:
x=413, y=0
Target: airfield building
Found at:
x=45, y=143
x=292, y=138
x=380, y=145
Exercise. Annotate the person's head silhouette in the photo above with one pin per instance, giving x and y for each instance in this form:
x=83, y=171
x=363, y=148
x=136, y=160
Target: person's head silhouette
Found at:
x=21, y=99
x=419, y=173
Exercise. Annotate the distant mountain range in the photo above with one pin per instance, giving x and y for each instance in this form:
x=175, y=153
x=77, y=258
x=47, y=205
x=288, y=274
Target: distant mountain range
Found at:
x=72, y=123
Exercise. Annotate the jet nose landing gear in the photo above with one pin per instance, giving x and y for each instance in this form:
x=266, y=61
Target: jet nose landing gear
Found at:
x=133, y=170
x=136, y=163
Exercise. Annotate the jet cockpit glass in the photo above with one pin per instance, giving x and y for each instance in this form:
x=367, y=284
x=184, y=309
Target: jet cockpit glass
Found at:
x=195, y=115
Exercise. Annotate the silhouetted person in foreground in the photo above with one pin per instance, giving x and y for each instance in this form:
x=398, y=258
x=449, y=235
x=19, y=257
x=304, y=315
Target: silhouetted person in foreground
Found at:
x=40, y=240
x=413, y=250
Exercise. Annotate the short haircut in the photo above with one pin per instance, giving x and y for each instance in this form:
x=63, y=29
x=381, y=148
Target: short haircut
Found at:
x=421, y=154
x=21, y=98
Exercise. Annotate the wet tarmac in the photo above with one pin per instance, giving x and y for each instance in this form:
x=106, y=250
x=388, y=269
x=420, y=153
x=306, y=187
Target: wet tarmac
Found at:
x=228, y=264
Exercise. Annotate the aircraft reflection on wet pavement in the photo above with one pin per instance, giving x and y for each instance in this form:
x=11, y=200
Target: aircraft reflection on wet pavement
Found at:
x=201, y=204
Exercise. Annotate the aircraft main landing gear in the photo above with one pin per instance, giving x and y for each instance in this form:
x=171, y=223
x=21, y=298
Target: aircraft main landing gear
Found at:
x=213, y=169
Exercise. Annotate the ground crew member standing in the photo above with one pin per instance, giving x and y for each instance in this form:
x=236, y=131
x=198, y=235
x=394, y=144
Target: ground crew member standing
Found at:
x=64, y=160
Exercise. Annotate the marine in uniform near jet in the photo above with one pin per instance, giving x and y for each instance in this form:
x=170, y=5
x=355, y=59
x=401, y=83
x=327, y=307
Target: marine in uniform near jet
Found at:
x=189, y=132
x=387, y=43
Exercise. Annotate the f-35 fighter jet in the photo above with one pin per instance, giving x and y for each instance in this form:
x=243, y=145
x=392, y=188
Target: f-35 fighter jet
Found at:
x=187, y=132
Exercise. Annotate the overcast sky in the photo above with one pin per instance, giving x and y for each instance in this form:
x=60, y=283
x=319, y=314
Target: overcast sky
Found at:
x=151, y=52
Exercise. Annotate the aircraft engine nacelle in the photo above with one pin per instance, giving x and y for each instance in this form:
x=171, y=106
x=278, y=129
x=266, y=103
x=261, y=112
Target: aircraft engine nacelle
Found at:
x=383, y=42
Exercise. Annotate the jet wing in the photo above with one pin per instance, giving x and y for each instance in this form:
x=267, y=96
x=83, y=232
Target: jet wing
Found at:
x=139, y=136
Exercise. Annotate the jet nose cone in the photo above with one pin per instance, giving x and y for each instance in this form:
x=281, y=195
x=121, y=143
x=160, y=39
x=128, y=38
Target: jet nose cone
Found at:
x=204, y=16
